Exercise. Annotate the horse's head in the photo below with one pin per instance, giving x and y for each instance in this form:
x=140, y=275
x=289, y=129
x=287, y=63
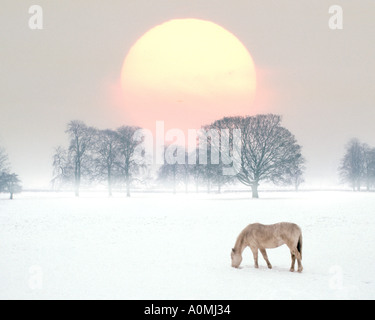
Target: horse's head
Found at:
x=236, y=258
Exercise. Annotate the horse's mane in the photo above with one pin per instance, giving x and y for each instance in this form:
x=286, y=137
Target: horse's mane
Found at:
x=239, y=242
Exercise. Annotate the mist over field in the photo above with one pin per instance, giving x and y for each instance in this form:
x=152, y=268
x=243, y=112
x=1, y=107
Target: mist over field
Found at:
x=316, y=77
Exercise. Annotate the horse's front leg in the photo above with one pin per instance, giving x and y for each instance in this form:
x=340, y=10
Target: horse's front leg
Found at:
x=255, y=255
x=264, y=254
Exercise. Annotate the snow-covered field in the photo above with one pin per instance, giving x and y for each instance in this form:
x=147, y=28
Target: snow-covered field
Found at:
x=160, y=246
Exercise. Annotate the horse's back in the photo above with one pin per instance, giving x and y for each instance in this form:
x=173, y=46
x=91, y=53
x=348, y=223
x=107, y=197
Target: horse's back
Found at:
x=273, y=235
x=285, y=226
x=264, y=236
x=290, y=227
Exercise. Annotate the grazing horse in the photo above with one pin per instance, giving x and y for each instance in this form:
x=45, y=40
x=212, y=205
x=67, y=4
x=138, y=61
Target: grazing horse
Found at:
x=262, y=237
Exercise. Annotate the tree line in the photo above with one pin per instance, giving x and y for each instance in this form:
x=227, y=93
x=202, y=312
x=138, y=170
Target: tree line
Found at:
x=358, y=165
x=96, y=155
x=9, y=181
x=267, y=152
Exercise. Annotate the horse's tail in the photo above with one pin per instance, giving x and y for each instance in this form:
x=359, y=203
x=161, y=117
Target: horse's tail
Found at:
x=299, y=245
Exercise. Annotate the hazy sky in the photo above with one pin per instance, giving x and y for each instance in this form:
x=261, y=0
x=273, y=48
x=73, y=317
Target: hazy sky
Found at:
x=322, y=81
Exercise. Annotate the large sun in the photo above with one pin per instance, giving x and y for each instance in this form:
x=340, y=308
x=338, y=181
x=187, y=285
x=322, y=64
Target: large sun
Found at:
x=187, y=73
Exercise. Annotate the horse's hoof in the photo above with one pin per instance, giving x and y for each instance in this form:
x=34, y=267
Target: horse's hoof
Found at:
x=291, y=269
x=300, y=270
x=269, y=266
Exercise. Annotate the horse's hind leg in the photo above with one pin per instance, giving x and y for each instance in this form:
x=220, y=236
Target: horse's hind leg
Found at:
x=293, y=262
x=300, y=268
x=298, y=256
x=295, y=255
x=264, y=254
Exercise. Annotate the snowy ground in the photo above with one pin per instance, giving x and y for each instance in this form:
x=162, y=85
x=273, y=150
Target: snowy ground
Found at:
x=159, y=246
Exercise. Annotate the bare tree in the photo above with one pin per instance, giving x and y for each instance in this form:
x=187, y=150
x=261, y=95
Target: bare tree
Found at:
x=103, y=155
x=212, y=173
x=371, y=168
x=107, y=147
x=197, y=171
x=172, y=172
x=81, y=143
x=368, y=166
x=168, y=175
x=128, y=161
x=352, y=164
x=295, y=173
x=10, y=183
x=211, y=140
x=63, y=169
x=267, y=150
x=4, y=162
